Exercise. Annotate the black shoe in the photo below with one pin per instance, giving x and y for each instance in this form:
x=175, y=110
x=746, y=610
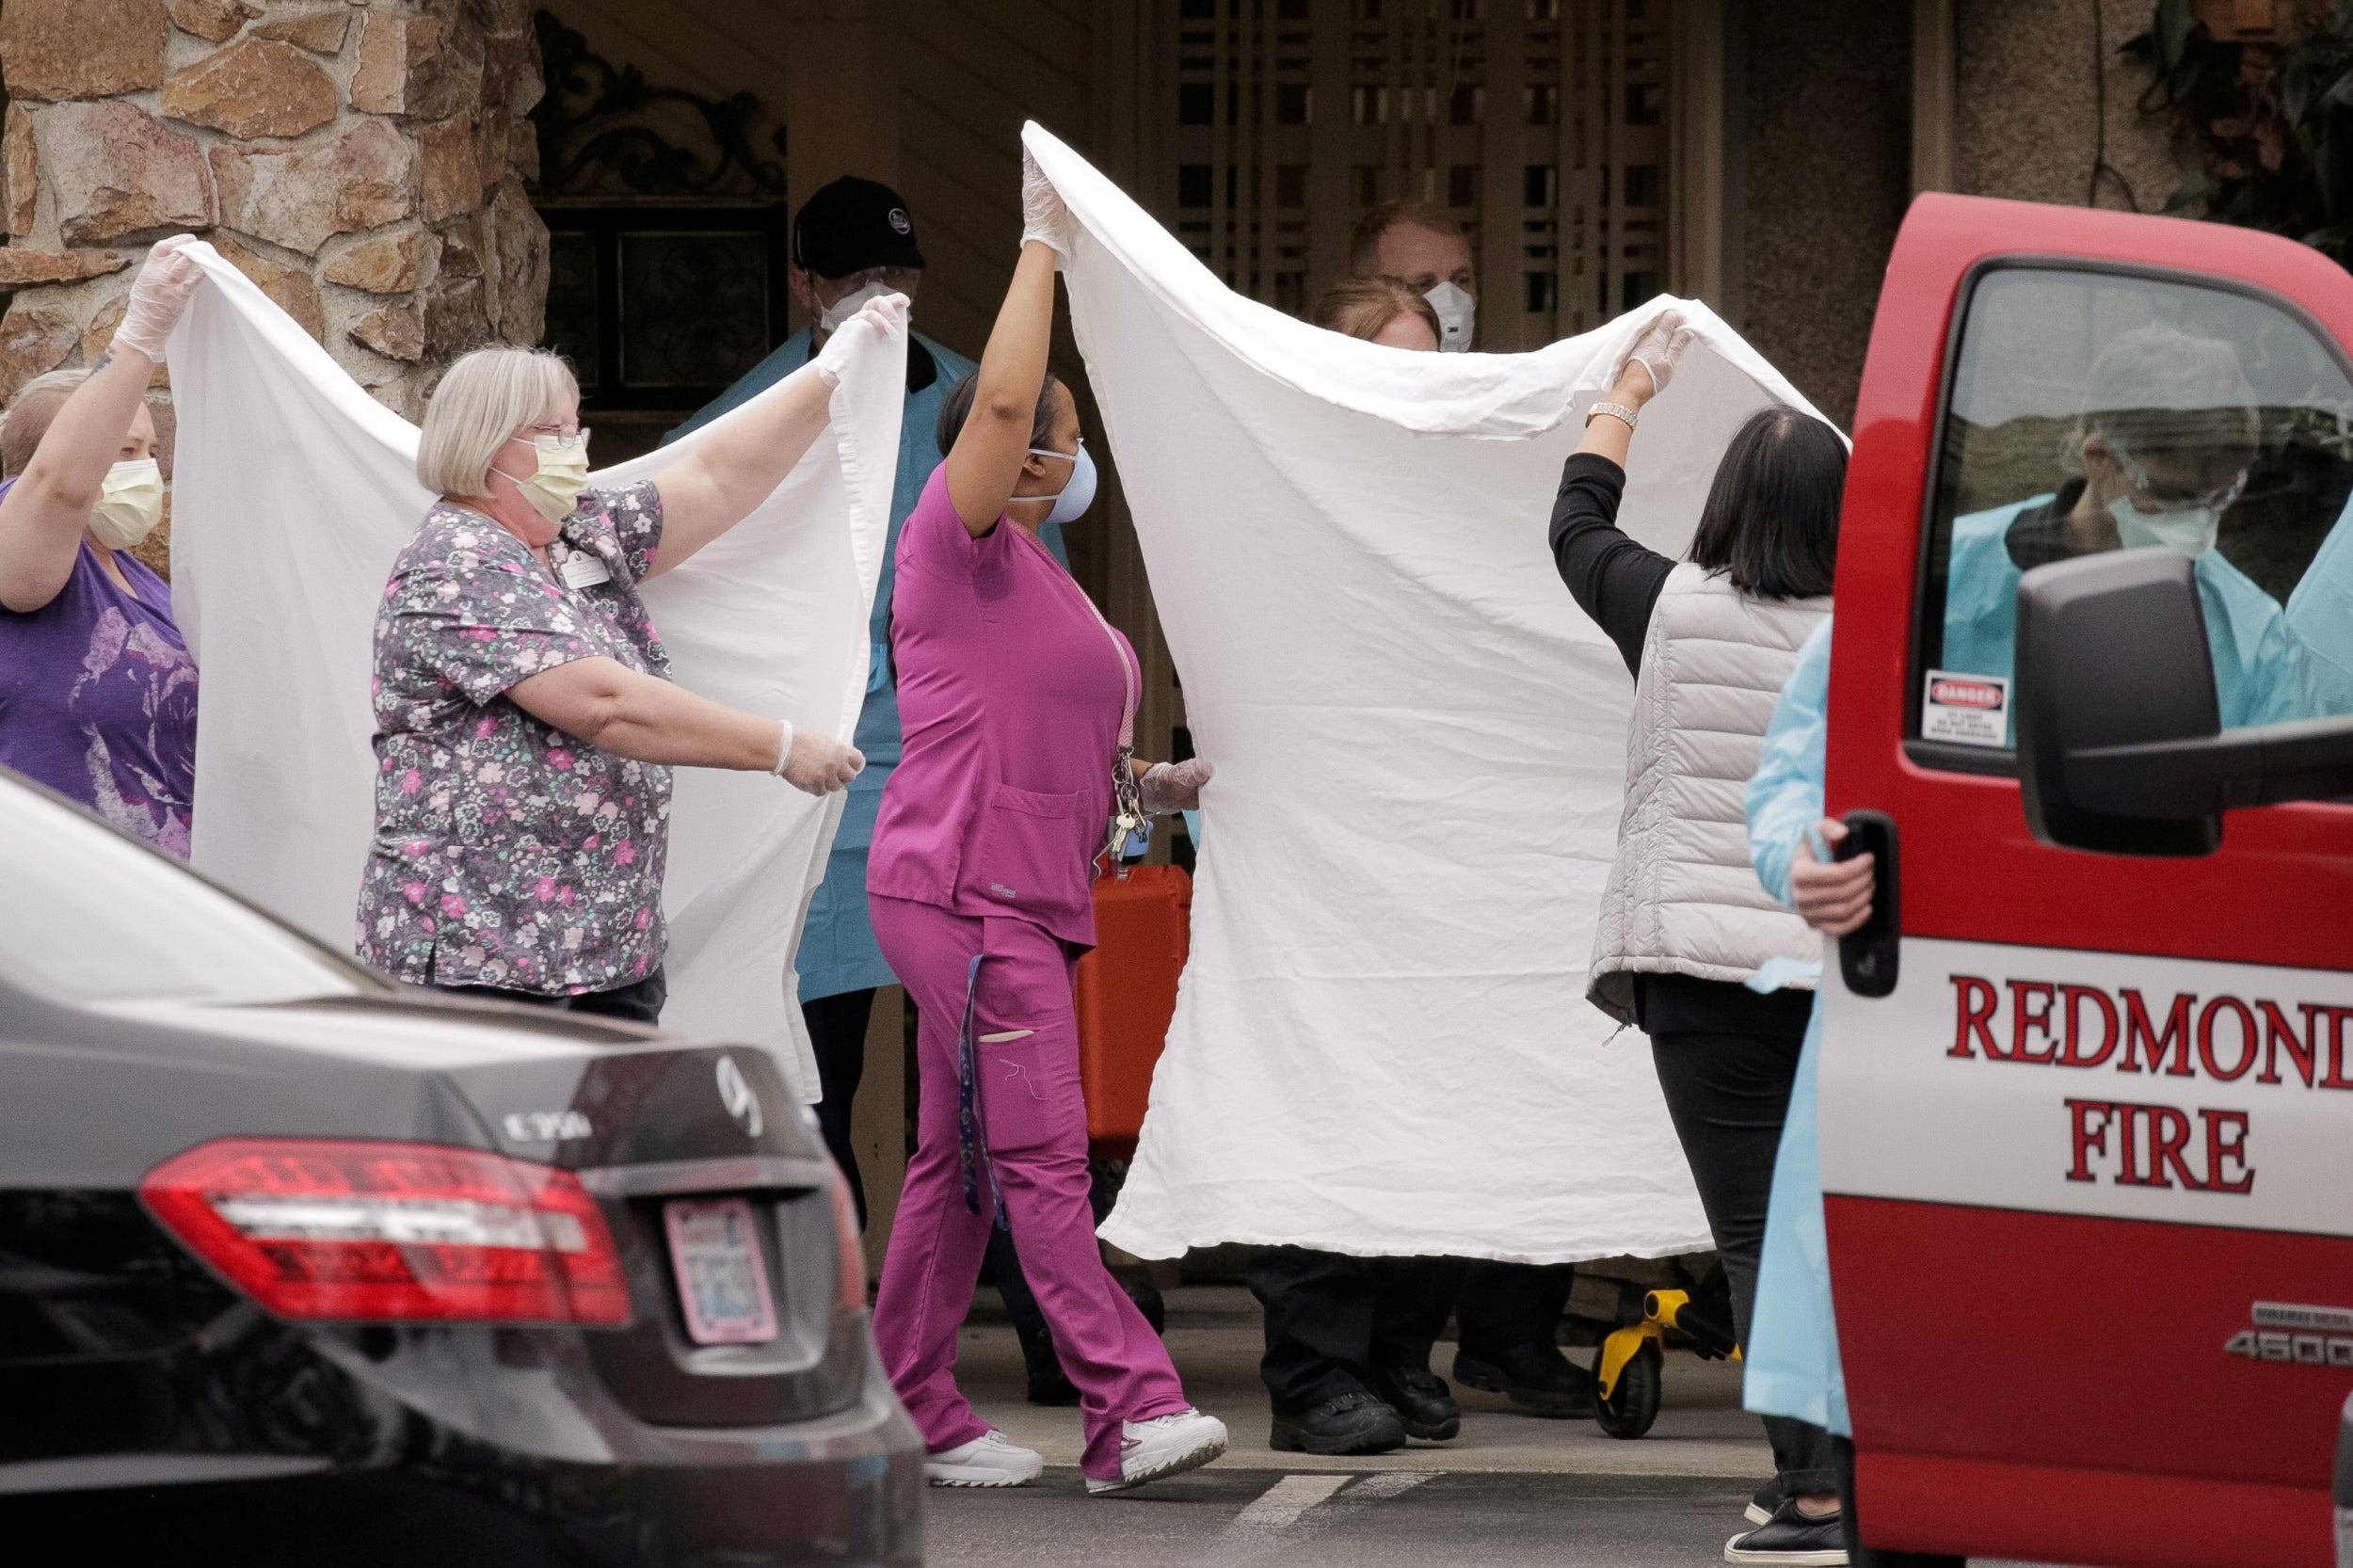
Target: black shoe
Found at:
x=1539, y=1379
x=1048, y=1384
x=1761, y=1506
x=1353, y=1423
x=1421, y=1399
x=1792, y=1539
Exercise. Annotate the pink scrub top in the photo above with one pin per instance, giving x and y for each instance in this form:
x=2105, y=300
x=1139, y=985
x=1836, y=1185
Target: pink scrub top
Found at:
x=1012, y=694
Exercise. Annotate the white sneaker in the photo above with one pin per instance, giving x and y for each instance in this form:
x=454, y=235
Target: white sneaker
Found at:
x=1163, y=1445
x=991, y=1459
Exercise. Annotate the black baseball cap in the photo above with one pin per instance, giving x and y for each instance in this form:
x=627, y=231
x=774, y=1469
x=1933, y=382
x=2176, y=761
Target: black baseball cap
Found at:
x=851, y=225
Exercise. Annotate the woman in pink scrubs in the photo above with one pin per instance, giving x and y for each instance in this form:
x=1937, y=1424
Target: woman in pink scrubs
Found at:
x=1018, y=701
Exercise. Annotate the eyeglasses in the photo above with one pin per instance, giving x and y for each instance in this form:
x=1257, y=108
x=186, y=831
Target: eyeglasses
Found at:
x=2219, y=498
x=562, y=437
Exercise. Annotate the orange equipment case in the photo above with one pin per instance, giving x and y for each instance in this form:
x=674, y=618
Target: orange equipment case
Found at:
x=1126, y=993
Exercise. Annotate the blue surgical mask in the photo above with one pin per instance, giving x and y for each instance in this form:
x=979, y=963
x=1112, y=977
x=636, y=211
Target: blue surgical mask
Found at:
x=1073, y=499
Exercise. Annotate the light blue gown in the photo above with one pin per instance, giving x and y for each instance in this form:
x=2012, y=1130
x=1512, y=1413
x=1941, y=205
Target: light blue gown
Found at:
x=2261, y=674
x=1792, y=1354
x=838, y=951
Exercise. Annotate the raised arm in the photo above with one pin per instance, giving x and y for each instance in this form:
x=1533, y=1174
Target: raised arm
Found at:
x=1614, y=577
x=740, y=465
x=985, y=463
x=45, y=512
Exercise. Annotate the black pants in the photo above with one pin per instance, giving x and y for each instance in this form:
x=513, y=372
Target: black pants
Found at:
x=638, y=1003
x=1504, y=1306
x=1729, y=1094
x=836, y=1032
x=1861, y=1556
x=1331, y=1318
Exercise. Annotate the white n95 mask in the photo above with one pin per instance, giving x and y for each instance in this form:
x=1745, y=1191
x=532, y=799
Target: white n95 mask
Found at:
x=129, y=503
x=832, y=316
x=1457, y=311
x=1073, y=499
x=2185, y=530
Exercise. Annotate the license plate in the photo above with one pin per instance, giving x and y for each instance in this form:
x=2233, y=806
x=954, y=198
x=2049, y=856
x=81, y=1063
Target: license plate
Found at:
x=722, y=1277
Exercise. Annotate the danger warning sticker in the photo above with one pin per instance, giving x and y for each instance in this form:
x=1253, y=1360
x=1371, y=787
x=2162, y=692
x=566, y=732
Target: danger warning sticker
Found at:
x=1971, y=709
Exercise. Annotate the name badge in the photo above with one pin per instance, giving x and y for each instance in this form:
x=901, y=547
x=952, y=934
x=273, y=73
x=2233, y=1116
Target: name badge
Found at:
x=582, y=570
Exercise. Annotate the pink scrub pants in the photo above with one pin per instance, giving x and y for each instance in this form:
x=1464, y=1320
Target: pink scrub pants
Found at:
x=1032, y=1149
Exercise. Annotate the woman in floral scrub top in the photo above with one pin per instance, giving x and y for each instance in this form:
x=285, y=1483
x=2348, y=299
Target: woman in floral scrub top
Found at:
x=526, y=725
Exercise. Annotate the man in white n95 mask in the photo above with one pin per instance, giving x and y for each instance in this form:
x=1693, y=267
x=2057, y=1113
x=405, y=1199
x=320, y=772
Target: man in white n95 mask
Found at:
x=1422, y=246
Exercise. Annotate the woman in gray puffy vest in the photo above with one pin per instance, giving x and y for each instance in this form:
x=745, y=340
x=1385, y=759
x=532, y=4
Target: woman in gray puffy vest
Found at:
x=1684, y=920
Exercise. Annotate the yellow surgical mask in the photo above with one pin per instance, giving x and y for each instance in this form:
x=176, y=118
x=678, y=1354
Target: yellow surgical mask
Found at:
x=554, y=490
x=129, y=503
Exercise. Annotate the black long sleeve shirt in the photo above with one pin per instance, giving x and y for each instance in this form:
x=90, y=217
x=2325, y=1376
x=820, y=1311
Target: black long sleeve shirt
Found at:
x=1614, y=577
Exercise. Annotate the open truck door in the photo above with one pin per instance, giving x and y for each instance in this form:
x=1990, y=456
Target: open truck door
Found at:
x=2087, y=1083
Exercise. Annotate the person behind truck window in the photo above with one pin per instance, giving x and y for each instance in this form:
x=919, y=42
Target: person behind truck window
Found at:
x=2162, y=449
x=1793, y=1369
x=1019, y=701
x=1708, y=640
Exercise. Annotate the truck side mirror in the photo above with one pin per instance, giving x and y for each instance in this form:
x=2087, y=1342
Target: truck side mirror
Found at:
x=2112, y=652
x=2120, y=745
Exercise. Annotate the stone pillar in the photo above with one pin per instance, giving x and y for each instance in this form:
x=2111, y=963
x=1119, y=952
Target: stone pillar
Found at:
x=363, y=161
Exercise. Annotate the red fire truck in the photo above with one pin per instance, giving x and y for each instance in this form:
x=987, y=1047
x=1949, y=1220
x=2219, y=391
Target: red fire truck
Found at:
x=2087, y=1087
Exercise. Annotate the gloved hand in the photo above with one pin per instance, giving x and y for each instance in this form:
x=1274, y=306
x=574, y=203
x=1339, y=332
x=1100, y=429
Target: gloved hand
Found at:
x=817, y=765
x=1174, y=785
x=885, y=318
x=158, y=295
x=1657, y=351
x=1042, y=214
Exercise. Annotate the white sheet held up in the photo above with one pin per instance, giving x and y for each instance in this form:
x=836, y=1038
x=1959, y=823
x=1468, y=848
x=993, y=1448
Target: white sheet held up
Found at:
x=294, y=491
x=1382, y=1044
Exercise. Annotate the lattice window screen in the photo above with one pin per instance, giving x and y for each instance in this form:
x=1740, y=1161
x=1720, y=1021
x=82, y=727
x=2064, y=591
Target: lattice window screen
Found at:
x=1541, y=124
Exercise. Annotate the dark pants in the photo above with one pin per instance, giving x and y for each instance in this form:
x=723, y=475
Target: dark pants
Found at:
x=1861, y=1556
x=1331, y=1318
x=1729, y=1094
x=638, y=1003
x=1504, y=1306
x=836, y=1032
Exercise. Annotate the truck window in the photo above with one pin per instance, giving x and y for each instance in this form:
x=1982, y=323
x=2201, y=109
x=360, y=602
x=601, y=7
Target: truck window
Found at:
x=2094, y=410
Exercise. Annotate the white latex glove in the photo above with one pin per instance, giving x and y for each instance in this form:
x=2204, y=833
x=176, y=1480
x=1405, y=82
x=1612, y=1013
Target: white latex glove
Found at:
x=1658, y=350
x=1042, y=214
x=814, y=763
x=161, y=292
x=1174, y=785
x=885, y=319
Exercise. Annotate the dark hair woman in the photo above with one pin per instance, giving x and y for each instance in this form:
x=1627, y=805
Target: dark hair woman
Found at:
x=1684, y=920
x=1017, y=700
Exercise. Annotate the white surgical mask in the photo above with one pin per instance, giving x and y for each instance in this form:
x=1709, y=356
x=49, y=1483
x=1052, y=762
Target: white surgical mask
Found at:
x=553, y=488
x=1457, y=313
x=832, y=316
x=2188, y=530
x=1074, y=497
x=129, y=503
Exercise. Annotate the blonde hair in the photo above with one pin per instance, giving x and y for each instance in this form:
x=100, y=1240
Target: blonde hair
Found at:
x=31, y=412
x=1364, y=307
x=485, y=397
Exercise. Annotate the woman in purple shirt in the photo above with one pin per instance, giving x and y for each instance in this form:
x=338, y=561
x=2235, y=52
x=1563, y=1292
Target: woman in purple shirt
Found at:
x=1018, y=701
x=97, y=691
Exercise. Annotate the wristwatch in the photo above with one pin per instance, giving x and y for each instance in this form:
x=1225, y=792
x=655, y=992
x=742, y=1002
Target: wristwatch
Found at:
x=1616, y=410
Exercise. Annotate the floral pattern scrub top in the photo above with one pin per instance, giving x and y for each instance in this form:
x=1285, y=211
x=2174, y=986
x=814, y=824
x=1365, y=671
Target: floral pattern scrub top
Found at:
x=506, y=853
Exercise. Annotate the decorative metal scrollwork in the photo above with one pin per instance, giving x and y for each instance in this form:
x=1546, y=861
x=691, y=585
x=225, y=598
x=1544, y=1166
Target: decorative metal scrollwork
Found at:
x=604, y=130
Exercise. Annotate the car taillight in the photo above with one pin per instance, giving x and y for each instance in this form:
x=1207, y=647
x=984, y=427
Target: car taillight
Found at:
x=851, y=1246
x=350, y=1230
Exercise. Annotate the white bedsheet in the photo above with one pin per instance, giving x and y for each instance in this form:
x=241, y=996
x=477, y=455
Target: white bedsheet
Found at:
x=294, y=491
x=1382, y=1045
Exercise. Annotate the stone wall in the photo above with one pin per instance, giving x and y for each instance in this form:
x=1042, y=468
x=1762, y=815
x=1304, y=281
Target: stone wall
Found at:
x=363, y=161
